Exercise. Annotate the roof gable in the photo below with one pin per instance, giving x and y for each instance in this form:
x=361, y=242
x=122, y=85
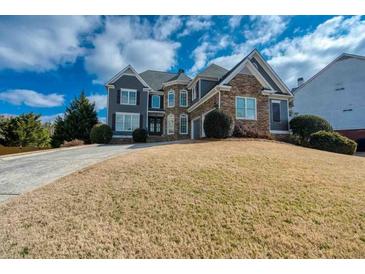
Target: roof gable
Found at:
x=341, y=57
x=128, y=70
x=255, y=63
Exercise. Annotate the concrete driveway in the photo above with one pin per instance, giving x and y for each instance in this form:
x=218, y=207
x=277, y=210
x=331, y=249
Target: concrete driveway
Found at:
x=19, y=174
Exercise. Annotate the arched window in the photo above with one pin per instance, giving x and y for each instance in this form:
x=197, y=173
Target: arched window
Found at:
x=183, y=98
x=184, y=123
x=170, y=124
x=171, y=99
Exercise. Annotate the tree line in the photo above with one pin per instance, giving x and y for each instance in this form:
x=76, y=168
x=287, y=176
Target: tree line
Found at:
x=27, y=129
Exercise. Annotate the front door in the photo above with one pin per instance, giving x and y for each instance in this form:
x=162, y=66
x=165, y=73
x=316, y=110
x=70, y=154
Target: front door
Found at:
x=155, y=125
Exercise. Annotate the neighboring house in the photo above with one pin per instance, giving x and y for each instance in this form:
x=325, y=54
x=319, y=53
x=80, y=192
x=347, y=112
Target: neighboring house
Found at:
x=172, y=106
x=336, y=93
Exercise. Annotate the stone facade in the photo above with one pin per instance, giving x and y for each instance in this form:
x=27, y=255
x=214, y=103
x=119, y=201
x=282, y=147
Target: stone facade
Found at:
x=247, y=86
x=176, y=111
x=210, y=104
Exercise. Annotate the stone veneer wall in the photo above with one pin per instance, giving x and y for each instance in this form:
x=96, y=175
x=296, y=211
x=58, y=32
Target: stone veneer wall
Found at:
x=177, y=110
x=205, y=107
x=242, y=85
x=247, y=86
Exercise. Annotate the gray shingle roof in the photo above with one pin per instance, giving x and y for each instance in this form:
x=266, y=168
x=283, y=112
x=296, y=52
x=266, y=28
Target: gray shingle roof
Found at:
x=213, y=71
x=155, y=79
x=181, y=76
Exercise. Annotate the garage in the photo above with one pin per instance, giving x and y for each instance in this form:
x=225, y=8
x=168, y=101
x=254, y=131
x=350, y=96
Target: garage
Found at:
x=196, y=128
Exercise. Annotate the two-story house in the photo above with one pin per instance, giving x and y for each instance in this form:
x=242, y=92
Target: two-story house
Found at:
x=337, y=93
x=173, y=106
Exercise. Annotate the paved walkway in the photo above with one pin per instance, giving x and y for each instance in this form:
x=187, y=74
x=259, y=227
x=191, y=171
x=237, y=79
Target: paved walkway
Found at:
x=19, y=174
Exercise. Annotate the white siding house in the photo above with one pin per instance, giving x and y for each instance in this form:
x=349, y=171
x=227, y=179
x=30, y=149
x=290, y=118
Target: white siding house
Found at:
x=336, y=93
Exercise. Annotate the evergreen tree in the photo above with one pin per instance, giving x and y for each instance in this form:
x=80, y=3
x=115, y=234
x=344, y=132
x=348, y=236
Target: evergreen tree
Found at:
x=25, y=130
x=80, y=116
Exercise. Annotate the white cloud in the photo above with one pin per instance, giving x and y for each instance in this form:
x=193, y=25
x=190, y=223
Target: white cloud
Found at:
x=99, y=100
x=124, y=41
x=41, y=43
x=196, y=23
x=166, y=26
x=206, y=50
x=306, y=55
x=235, y=21
x=263, y=30
x=31, y=98
x=50, y=118
x=102, y=120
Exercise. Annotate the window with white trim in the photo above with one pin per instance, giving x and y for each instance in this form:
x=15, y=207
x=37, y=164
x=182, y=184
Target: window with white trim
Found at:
x=245, y=108
x=193, y=93
x=183, y=98
x=126, y=121
x=170, y=124
x=171, y=99
x=183, y=124
x=155, y=101
x=128, y=97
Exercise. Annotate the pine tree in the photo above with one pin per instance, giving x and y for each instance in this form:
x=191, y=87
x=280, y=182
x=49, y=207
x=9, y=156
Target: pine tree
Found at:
x=26, y=130
x=80, y=116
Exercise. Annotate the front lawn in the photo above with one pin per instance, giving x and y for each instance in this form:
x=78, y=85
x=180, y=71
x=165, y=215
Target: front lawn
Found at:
x=224, y=199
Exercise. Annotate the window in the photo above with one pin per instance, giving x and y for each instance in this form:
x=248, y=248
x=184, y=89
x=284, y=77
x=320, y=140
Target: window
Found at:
x=170, y=124
x=126, y=121
x=183, y=98
x=128, y=97
x=245, y=108
x=275, y=111
x=183, y=124
x=155, y=101
x=193, y=93
x=171, y=99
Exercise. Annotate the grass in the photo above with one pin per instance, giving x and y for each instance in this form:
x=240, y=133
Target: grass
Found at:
x=13, y=150
x=224, y=199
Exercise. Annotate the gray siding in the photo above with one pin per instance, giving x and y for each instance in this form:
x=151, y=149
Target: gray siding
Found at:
x=206, y=86
x=129, y=82
x=283, y=124
x=265, y=75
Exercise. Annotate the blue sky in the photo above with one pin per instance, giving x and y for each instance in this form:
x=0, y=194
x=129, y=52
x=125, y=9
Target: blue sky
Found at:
x=45, y=61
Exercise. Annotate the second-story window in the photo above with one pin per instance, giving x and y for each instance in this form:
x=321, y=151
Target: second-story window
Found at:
x=171, y=99
x=155, y=101
x=193, y=97
x=128, y=97
x=183, y=98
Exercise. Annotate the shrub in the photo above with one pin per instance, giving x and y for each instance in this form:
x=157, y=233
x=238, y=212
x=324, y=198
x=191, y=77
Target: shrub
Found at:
x=101, y=134
x=241, y=130
x=217, y=124
x=73, y=143
x=304, y=125
x=360, y=144
x=140, y=135
x=332, y=141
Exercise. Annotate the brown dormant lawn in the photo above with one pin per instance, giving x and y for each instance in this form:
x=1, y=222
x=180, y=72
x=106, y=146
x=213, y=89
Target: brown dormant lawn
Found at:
x=223, y=199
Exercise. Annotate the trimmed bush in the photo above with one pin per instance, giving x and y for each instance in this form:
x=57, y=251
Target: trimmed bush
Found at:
x=332, y=141
x=304, y=125
x=217, y=124
x=140, y=135
x=101, y=134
